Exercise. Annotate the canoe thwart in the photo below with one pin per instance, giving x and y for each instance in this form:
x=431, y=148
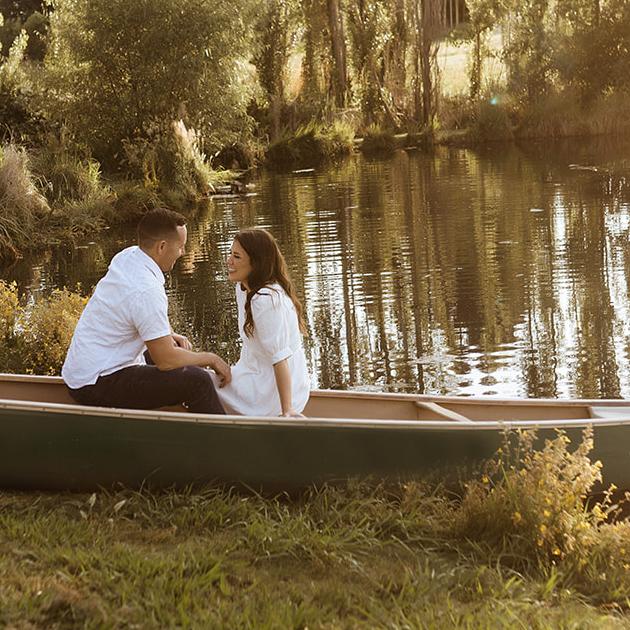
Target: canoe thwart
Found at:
x=612, y=413
x=442, y=412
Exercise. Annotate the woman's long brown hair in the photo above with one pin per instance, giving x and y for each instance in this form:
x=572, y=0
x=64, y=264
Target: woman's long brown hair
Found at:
x=268, y=267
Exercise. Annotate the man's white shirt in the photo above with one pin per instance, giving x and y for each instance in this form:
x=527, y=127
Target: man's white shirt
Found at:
x=128, y=308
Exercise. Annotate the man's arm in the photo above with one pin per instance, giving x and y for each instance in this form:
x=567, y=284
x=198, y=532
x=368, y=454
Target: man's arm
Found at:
x=168, y=356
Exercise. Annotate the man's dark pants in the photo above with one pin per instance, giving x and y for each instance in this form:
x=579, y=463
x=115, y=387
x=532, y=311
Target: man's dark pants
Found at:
x=147, y=387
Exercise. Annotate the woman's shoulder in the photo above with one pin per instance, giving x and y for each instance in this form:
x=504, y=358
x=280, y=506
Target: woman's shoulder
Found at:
x=269, y=296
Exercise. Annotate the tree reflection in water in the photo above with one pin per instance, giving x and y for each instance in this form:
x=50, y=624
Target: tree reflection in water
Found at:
x=503, y=270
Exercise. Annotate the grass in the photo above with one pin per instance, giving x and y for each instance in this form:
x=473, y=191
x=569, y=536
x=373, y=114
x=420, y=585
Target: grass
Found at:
x=22, y=206
x=312, y=144
x=355, y=556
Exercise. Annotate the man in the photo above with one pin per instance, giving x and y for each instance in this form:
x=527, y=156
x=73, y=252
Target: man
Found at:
x=128, y=311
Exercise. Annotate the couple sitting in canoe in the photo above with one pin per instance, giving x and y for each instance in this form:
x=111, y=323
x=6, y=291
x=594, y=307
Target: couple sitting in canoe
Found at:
x=124, y=353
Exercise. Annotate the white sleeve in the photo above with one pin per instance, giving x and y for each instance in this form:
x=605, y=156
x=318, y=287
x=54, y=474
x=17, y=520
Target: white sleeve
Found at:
x=149, y=314
x=270, y=325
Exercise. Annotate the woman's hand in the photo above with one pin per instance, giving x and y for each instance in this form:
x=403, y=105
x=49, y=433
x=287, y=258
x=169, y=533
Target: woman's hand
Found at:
x=291, y=413
x=181, y=341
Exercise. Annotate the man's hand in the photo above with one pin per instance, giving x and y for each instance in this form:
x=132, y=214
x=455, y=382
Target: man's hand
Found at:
x=181, y=341
x=216, y=363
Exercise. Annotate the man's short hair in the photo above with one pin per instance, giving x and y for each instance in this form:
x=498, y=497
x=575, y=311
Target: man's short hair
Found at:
x=157, y=225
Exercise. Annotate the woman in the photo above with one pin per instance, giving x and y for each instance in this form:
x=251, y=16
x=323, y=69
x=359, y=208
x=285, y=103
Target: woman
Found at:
x=271, y=377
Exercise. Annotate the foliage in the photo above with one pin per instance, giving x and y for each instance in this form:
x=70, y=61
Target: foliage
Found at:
x=530, y=503
x=595, y=52
x=22, y=206
x=483, y=16
x=311, y=144
x=529, y=52
x=136, y=80
x=8, y=310
x=368, y=26
x=276, y=34
x=377, y=140
x=35, y=337
x=46, y=331
x=68, y=176
x=491, y=122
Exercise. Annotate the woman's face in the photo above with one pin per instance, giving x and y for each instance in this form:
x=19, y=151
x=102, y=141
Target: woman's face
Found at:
x=238, y=264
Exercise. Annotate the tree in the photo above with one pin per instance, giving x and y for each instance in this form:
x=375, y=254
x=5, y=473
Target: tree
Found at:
x=122, y=70
x=276, y=30
x=483, y=16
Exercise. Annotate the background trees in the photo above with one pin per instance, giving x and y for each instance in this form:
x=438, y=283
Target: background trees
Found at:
x=124, y=70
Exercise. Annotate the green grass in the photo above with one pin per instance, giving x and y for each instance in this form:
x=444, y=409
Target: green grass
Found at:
x=312, y=144
x=358, y=556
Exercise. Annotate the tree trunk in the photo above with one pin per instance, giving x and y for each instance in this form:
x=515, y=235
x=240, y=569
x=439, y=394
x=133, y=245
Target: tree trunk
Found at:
x=340, y=80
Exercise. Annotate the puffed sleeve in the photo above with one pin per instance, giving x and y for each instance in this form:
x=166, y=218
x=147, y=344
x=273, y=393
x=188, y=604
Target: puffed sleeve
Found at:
x=270, y=322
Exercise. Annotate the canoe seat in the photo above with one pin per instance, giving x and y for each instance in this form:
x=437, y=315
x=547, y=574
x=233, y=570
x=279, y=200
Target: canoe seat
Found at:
x=442, y=412
x=611, y=413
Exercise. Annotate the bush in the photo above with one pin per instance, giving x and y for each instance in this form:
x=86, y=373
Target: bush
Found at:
x=172, y=166
x=530, y=504
x=35, y=339
x=68, y=177
x=132, y=200
x=47, y=330
x=491, y=122
x=378, y=141
x=22, y=206
x=312, y=144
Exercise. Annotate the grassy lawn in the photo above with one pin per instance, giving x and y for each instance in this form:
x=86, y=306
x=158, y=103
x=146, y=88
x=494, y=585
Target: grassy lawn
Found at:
x=353, y=557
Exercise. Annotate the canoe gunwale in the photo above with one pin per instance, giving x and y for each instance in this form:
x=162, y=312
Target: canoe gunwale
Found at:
x=373, y=395
x=258, y=421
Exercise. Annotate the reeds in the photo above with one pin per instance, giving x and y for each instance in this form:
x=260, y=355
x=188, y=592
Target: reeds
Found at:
x=22, y=206
x=312, y=144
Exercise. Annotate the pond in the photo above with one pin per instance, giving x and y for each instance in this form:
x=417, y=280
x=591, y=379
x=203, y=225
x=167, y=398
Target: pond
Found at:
x=498, y=271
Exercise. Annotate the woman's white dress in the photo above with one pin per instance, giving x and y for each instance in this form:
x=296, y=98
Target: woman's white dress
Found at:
x=277, y=336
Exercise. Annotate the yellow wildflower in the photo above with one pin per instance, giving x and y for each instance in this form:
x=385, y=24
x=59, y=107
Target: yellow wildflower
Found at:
x=516, y=518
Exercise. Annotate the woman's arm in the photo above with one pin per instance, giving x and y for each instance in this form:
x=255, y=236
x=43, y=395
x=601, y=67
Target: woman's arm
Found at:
x=283, y=383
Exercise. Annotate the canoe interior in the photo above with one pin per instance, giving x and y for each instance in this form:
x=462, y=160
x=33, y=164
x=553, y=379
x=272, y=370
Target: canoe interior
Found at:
x=365, y=405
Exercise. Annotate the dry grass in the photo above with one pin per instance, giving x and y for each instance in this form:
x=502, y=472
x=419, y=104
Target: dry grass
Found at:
x=22, y=206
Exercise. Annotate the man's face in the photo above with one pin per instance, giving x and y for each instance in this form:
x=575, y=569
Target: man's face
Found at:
x=170, y=250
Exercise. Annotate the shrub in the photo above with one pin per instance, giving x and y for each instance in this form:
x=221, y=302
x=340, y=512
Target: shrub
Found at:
x=35, y=338
x=312, y=144
x=8, y=310
x=173, y=166
x=378, y=141
x=132, y=200
x=491, y=122
x=68, y=177
x=530, y=505
x=46, y=331
x=21, y=204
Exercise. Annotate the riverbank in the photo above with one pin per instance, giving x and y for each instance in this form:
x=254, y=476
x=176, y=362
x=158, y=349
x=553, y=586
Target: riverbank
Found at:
x=361, y=555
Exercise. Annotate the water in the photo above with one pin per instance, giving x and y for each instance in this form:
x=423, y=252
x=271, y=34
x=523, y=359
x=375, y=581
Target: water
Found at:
x=501, y=271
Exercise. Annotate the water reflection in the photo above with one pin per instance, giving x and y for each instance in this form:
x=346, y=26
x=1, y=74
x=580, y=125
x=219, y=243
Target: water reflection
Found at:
x=497, y=271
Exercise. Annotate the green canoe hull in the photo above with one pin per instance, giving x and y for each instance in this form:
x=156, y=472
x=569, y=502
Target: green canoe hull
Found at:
x=68, y=451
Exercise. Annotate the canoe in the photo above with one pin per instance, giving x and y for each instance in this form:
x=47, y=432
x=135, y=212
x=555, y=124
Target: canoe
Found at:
x=48, y=442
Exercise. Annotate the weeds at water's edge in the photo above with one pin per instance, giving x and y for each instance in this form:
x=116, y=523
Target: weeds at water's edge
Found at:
x=405, y=554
